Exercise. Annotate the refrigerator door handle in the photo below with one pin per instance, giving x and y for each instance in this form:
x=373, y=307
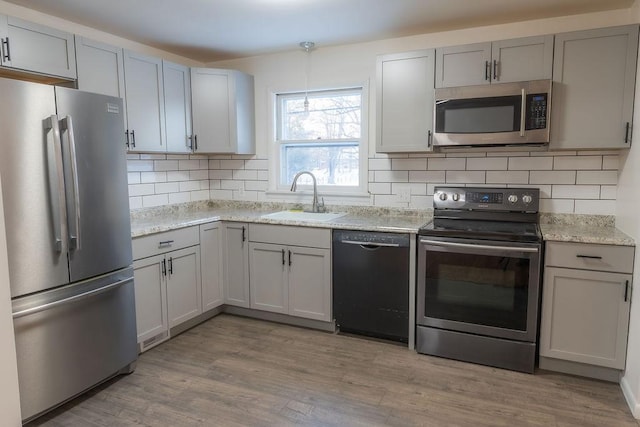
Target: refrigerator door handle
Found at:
x=63, y=301
x=56, y=180
x=74, y=225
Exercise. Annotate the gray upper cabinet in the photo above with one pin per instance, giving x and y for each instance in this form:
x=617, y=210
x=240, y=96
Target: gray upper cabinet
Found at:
x=100, y=68
x=177, y=107
x=145, y=103
x=504, y=61
x=405, y=97
x=223, y=111
x=594, y=77
x=36, y=48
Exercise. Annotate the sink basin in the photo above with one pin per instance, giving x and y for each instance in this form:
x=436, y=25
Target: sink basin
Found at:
x=304, y=216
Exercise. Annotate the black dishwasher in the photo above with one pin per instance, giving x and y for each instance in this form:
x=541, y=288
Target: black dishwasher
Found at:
x=371, y=284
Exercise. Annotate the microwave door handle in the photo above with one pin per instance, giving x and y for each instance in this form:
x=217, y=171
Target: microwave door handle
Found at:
x=522, y=111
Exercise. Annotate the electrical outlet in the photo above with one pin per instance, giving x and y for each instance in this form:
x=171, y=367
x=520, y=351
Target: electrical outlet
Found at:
x=404, y=195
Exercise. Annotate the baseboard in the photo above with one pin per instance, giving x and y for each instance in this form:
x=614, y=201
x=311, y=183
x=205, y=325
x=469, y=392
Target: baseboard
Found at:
x=632, y=399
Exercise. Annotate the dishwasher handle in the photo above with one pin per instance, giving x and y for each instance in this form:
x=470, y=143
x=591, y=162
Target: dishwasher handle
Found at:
x=371, y=244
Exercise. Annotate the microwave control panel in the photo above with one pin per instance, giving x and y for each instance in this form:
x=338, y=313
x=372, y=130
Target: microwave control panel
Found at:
x=536, y=114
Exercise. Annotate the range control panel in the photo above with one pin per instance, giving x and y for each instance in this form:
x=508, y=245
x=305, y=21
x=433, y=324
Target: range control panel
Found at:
x=487, y=199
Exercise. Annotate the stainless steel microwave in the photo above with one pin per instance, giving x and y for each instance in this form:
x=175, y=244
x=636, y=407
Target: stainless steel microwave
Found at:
x=507, y=114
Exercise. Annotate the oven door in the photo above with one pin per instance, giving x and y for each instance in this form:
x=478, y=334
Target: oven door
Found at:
x=480, y=287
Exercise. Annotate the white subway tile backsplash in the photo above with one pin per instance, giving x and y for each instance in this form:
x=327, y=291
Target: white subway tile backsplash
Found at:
x=152, y=177
x=199, y=174
x=595, y=207
x=179, y=198
x=611, y=162
x=447, y=164
x=167, y=187
x=413, y=189
x=256, y=185
x=421, y=202
x=231, y=164
x=153, y=156
x=577, y=162
x=263, y=175
x=552, y=177
x=391, y=176
x=245, y=174
x=141, y=189
x=200, y=195
x=507, y=177
x=409, y=164
x=226, y=184
x=608, y=192
x=178, y=176
x=189, y=185
x=557, y=205
x=487, y=164
x=190, y=164
x=465, y=177
x=256, y=164
x=575, y=191
x=139, y=165
x=379, y=164
x=389, y=200
x=427, y=176
x=133, y=177
x=380, y=188
x=156, y=200
x=221, y=174
x=135, y=202
x=530, y=163
x=221, y=194
x=609, y=177
x=165, y=165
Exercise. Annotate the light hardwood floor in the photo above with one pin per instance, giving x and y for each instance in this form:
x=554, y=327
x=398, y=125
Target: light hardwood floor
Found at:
x=233, y=371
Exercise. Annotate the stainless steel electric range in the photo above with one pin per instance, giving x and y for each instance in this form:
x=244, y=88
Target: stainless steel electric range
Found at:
x=479, y=271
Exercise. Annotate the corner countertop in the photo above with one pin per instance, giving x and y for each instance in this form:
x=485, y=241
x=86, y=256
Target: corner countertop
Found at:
x=151, y=221
x=594, y=229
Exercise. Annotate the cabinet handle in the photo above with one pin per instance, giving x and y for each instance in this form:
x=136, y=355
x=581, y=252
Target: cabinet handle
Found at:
x=626, y=133
x=244, y=237
x=195, y=141
x=429, y=138
x=164, y=267
x=126, y=134
x=190, y=144
x=626, y=291
x=165, y=243
x=289, y=258
x=170, y=266
x=486, y=70
x=133, y=139
x=283, y=257
x=6, y=55
x=495, y=70
x=589, y=256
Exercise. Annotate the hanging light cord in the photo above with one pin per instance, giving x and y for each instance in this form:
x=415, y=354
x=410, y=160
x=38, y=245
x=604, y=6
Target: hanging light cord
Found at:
x=307, y=46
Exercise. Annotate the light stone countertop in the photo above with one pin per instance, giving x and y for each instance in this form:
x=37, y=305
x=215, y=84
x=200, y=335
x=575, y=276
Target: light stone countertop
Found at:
x=597, y=229
x=151, y=221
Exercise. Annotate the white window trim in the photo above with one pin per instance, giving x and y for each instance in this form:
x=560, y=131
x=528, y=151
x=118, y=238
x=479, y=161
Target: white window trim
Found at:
x=331, y=194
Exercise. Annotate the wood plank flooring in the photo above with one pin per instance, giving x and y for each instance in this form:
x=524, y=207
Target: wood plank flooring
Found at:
x=233, y=371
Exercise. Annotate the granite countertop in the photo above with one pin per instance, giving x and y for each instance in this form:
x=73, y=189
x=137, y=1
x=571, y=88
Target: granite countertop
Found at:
x=150, y=221
x=597, y=229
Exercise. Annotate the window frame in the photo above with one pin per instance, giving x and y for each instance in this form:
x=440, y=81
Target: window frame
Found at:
x=277, y=143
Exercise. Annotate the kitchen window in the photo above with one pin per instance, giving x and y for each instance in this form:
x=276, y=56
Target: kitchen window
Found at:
x=324, y=137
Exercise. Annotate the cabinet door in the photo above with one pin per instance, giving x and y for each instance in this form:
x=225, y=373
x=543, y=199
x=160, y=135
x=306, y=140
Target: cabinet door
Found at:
x=585, y=316
x=405, y=96
x=593, y=88
x=37, y=48
x=145, y=102
x=268, y=267
x=310, y=283
x=516, y=60
x=213, y=105
x=177, y=107
x=463, y=65
x=211, y=265
x=236, y=264
x=151, y=297
x=184, y=288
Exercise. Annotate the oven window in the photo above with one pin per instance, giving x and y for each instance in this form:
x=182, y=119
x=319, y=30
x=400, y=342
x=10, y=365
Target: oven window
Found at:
x=479, y=289
x=481, y=115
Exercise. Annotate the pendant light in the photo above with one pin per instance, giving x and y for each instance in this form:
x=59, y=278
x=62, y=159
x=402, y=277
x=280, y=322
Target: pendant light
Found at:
x=307, y=46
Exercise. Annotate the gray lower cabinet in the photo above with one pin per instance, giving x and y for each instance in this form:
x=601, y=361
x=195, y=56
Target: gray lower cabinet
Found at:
x=36, y=48
x=236, y=263
x=145, y=103
x=404, y=98
x=211, y=265
x=594, y=76
x=586, y=299
x=177, y=107
x=504, y=61
x=290, y=270
x=167, y=281
x=223, y=111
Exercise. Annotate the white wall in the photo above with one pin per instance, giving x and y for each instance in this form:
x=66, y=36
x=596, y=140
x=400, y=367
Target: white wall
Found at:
x=9, y=393
x=571, y=182
x=627, y=219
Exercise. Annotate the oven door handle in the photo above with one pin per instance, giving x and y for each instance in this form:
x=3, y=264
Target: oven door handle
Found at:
x=474, y=246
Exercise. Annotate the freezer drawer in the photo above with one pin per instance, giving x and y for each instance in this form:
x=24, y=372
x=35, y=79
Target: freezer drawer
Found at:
x=72, y=338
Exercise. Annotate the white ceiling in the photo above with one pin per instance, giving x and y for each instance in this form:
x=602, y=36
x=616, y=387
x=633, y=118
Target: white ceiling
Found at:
x=208, y=30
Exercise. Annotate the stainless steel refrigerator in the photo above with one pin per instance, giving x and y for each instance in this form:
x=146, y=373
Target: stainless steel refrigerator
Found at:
x=64, y=183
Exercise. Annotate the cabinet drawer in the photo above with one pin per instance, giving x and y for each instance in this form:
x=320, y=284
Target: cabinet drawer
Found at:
x=293, y=236
x=164, y=242
x=589, y=256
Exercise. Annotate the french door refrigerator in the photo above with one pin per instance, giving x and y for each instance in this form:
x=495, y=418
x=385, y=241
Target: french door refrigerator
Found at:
x=64, y=183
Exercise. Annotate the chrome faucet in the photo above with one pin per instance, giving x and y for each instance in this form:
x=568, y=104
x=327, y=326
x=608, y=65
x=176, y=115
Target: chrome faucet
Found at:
x=315, y=206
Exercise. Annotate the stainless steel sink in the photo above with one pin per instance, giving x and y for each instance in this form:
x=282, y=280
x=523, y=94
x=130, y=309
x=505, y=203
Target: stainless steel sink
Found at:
x=304, y=216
